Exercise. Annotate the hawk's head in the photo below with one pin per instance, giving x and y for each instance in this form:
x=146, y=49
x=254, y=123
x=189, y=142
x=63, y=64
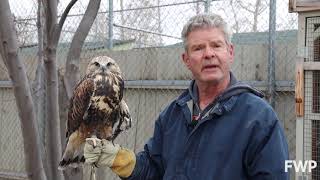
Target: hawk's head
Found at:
x=102, y=65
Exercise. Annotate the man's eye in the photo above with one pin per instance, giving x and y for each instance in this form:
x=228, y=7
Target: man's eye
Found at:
x=219, y=47
x=197, y=48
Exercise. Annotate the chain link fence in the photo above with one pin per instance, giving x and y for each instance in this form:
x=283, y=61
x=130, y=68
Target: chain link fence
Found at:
x=143, y=36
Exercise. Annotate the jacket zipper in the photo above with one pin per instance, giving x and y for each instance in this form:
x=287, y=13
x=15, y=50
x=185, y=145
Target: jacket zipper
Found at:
x=201, y=122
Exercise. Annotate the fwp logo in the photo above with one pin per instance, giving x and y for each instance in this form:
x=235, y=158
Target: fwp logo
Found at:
x=300, y=166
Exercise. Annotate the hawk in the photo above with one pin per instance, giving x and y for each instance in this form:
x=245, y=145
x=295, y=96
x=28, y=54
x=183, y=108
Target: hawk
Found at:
x=96, y=109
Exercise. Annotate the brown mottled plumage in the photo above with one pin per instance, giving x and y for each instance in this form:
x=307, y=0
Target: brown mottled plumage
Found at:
x=95, y=107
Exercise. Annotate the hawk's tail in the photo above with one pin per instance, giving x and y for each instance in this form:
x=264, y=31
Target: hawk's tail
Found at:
x=73, y=154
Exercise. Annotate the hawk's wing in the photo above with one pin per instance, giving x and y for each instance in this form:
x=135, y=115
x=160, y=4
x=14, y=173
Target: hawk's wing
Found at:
x=79, y=104
x=123, y=119
x=121, y=87
x=120, y=82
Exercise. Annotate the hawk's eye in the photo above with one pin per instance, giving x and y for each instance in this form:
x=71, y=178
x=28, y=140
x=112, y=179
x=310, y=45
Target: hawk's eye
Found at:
x=96, y=64
x=109, y=64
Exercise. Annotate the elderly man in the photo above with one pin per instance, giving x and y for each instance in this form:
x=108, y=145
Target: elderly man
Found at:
x=218, y=128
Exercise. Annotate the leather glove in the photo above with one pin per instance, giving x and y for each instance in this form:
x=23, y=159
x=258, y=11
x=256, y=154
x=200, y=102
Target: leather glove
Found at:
x=120, y=160
x=92, y=150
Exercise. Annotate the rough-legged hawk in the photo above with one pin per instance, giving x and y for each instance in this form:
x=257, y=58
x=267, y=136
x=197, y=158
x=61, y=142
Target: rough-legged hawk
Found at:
x=96, y=109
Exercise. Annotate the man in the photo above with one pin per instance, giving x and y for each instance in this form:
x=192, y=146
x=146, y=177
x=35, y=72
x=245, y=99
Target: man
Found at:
x=218, y=129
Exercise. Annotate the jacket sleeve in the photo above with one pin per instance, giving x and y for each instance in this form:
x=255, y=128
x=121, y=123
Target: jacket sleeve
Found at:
x=267, y=149
x=149, y=162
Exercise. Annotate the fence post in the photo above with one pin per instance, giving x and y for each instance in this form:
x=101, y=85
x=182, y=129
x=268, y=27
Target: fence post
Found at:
x=271, y=54
x=207, y=6
x=110, y=25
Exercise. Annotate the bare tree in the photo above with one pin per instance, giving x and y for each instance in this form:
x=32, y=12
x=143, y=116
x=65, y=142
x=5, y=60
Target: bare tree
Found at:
x=159, y=28
x=52, y=32
x=38, y=86
x=49, y=31
x=122, y=19
x=233, y=11
x=22, y=93
x=255, y=9
x=244, y=15
x=235, y=16
x=136, y=19
x=25, y=29
x=48, y=37
x=197, y=7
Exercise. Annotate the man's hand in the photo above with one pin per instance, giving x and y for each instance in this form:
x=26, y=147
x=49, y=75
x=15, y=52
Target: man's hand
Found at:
x=105, y=153
x=92, y=150
x=109, y=152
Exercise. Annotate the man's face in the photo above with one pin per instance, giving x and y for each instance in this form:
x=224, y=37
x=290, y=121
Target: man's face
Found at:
x=208, y=56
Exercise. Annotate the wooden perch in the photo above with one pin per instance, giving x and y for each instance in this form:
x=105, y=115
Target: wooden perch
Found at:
x=299, y=91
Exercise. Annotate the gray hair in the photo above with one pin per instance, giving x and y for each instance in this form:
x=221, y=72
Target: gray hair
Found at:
x=206, y=21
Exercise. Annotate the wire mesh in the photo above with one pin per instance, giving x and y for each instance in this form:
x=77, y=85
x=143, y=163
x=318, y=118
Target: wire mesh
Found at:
x=312, y=95
x=311, y=123
x=147, y=46
x=11, y=156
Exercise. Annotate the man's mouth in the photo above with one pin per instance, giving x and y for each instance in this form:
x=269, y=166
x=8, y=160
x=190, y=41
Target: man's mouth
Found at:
x=209, y=67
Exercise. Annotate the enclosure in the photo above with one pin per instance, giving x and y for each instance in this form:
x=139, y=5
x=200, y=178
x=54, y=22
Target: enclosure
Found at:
x=143, y=36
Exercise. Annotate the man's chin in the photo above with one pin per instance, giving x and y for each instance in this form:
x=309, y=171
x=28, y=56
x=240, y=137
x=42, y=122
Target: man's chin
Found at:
x=212, y=79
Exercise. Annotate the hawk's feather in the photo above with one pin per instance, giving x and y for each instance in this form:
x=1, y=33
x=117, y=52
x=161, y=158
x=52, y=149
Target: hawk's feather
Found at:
x=79, y=103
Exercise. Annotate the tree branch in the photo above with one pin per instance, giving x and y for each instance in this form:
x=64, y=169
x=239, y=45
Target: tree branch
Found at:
x=263, y=8
x=72, y=75
x=234, y=16
x=65, y=14
x=58, y=28
x=244, y=7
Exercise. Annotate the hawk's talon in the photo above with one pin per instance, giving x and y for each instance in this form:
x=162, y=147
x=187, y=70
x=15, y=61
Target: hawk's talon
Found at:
x=93, y=141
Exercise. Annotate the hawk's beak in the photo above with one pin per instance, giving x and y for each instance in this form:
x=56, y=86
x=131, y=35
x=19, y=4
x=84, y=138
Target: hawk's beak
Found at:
x=104, y=68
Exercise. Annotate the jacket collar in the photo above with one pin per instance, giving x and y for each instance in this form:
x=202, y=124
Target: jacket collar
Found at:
x=193, y=88
x=234, y=88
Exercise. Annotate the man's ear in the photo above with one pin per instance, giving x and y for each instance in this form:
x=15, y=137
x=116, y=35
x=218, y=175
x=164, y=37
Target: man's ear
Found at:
x=185, y=59
x=231, y=52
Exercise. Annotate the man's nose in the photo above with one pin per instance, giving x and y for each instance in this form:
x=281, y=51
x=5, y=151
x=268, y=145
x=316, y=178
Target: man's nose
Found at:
x=209, y=52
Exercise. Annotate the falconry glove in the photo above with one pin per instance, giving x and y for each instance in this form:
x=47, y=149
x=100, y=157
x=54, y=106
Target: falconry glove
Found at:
x=92, y=150
x=120, y=160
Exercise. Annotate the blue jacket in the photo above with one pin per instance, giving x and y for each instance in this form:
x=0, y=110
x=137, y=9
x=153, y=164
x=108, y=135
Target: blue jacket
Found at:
x=238, y=137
